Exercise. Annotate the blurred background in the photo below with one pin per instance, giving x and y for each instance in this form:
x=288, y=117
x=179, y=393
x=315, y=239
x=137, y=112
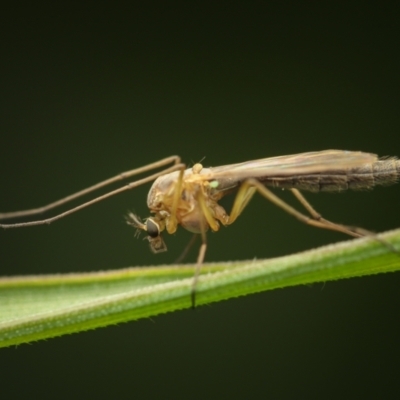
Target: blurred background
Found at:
x=91, y=90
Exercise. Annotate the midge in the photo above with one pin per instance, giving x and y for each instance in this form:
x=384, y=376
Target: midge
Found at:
x=189, y=197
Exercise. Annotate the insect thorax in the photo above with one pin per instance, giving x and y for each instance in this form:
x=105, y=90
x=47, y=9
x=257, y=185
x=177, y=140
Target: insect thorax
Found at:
x=188, y=212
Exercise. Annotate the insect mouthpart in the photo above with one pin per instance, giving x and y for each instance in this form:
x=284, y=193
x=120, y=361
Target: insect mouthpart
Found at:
x=156, y=242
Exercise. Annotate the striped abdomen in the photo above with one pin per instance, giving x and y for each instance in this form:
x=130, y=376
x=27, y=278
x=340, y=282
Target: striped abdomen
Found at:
x=382, y=172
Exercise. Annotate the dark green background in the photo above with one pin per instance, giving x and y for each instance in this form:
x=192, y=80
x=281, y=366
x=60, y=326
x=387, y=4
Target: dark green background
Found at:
x=89, y=90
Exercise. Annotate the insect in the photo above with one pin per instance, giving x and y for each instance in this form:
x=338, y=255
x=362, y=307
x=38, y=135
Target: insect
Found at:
x=189, y=196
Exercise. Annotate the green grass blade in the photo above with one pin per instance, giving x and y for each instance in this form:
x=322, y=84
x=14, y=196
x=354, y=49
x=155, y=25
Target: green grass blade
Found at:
x=39, y=307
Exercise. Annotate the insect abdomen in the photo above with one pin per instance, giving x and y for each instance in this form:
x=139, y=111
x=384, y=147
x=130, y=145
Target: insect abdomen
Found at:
x=383, y=172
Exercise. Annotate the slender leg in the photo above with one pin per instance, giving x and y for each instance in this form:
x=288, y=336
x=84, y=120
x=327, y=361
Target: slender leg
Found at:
x=306, y=204
x=242, y=196
x=360, y=231
x=129, y=186
x=318, y=217
x=200, y=258
x=187, y=248
x=173, y=222
x=122, y=176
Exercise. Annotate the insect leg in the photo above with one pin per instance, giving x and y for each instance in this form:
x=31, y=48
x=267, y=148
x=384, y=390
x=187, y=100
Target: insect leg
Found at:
x=360, y=231
x=242, y=198
x=200, y=258
x=317, y=216
x=199, y=263
x=187, y=248
x=124, y=175
x=306, y=204
x=128, y=186
x=173, y=222
x=244, y=195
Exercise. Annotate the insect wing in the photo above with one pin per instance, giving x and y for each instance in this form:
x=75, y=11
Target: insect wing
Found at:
x=229, y=176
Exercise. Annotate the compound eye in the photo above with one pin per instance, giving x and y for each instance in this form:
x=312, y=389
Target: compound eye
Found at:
x=152, y=228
